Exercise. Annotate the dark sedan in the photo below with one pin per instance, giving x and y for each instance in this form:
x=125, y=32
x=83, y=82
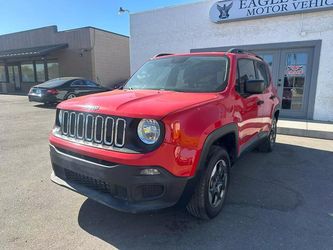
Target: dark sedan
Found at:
x=59, y=89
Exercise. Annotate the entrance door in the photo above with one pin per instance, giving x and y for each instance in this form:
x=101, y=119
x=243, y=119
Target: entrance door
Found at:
x=14, y=76
x=294, y=81
x=291, y=73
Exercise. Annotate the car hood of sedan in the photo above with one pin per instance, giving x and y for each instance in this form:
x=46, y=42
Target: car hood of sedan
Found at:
x=137, y=103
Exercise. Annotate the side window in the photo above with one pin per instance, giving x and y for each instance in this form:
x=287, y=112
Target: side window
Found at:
x=246, y=72
x=78, y=83
x=262, y=73
x=90, y=83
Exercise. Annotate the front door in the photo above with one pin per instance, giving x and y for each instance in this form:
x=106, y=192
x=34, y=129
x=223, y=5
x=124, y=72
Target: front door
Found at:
x=291, y=73
x=294, y=81
x=14, y=76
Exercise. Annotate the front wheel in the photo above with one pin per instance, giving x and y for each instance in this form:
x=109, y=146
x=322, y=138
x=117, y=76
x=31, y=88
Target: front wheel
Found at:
x=209, y=196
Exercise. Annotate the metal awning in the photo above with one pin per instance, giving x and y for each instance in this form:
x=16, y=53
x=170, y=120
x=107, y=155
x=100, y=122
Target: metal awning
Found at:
x=34, y=51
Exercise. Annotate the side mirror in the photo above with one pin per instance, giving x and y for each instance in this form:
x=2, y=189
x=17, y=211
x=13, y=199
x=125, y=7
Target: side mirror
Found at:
x=254, y=86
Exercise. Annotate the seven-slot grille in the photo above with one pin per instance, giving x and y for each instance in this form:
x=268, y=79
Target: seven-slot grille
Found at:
x=89, y=128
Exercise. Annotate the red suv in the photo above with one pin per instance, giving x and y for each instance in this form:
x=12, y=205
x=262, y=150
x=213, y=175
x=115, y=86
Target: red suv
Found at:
x=170, y=136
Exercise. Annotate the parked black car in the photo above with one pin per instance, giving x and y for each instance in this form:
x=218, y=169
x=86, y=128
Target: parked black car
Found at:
x=59, y=89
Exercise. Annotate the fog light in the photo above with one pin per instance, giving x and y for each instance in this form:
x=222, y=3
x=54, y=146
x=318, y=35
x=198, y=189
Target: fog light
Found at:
x=149, y=171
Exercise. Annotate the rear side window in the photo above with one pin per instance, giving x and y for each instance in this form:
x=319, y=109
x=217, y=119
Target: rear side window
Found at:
x=246, y=72
x=90, y=83
x=78, y=83
x=262, y=73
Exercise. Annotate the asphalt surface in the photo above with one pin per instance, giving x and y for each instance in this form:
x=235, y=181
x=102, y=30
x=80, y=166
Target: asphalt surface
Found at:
x=281, y=200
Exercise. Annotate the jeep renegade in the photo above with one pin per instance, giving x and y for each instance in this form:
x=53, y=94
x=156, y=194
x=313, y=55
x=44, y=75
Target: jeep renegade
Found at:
x=170, y=135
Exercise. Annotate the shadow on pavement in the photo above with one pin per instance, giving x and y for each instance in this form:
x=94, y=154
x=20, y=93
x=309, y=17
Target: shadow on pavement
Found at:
x=46, y=106
x=271, y=204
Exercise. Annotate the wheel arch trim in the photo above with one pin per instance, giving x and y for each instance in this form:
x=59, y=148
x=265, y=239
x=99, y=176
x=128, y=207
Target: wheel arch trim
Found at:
x=212, y=138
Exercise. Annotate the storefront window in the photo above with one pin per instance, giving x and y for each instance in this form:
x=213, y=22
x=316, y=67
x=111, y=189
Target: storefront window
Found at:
x=28, y=74
x=2, y=73
x=40, y=71
x=53, y=69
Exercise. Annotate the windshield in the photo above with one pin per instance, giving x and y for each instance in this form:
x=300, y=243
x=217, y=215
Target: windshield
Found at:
x=182, y=73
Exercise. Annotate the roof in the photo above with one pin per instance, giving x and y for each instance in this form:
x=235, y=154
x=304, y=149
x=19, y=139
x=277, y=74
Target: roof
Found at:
x=33, y=51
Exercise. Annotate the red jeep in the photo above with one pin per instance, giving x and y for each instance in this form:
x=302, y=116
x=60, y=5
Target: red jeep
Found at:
x=170, y=135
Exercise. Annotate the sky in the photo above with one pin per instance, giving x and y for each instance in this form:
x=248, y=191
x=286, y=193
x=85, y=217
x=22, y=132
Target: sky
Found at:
x=19, y=15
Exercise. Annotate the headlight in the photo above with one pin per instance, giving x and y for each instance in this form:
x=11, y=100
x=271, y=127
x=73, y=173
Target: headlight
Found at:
x=149, y=131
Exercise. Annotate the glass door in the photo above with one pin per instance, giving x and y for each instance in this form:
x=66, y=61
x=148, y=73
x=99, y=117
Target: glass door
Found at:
x=14, y=76
x=294, y=81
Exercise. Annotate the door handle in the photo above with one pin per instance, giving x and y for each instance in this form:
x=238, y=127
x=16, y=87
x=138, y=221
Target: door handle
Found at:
x=272, y=97
x=260, y=102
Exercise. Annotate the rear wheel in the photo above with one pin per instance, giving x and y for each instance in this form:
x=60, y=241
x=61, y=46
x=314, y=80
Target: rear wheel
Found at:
x=269, y=142
x=209, y=196
x=70, y=96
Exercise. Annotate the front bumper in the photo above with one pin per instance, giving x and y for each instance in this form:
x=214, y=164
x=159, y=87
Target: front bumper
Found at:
x=118, y=186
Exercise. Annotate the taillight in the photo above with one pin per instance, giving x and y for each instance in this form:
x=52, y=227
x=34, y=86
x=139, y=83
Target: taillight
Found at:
x=52, y=91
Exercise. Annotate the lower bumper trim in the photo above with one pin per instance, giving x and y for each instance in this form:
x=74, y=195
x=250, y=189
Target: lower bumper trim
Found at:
x=120, y=187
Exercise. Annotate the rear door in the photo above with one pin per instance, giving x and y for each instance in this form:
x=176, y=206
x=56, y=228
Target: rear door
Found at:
x=79, y=87
x=266, y=104
x=250, y=122
x=94, y=87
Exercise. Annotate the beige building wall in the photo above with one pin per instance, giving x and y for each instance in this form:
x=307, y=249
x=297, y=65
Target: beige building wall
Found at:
x=92, y=53
x=110, y=57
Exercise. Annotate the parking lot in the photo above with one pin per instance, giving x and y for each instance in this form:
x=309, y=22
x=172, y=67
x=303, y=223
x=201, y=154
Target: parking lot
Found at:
x=276, y=201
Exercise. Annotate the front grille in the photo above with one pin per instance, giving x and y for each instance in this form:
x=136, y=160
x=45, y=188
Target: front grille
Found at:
x=114, y=190
x=87, y=128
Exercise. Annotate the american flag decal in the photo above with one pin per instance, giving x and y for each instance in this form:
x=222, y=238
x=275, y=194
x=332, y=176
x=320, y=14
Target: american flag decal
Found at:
x=295, y=70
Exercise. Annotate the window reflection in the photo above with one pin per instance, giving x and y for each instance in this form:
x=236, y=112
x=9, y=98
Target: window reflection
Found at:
x=294, y=79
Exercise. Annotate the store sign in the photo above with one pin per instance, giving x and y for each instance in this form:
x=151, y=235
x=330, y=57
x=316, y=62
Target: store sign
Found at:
x=230, y=10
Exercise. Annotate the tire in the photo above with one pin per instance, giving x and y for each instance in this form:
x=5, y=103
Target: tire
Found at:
x=70, y=96
x=201, y=204
x=269, y=142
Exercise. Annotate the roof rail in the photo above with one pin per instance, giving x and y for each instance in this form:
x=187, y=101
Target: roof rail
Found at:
x=242, y=51
x=162, y=54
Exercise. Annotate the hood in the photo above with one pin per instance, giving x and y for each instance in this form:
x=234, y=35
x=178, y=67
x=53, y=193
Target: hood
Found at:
x=137, y=103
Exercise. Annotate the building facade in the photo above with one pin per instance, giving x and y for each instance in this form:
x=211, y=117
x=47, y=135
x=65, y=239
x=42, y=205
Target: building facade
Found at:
x=34, y=56
x=295, y=37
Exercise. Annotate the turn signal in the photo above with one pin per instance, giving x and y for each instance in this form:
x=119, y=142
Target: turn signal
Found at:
x=175, y=130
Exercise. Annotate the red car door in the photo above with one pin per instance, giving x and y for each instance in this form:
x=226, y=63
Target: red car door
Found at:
x=268, y=97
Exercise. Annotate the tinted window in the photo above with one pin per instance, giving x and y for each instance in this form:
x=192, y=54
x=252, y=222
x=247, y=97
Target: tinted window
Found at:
x=182, y=73
x=2, y=73
x=78, y=83
x=40, y=71
x=52, y=83
x=27, y=71
x=91, y=84
x=53, y=69
x=246, y=72
x=262, y=73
